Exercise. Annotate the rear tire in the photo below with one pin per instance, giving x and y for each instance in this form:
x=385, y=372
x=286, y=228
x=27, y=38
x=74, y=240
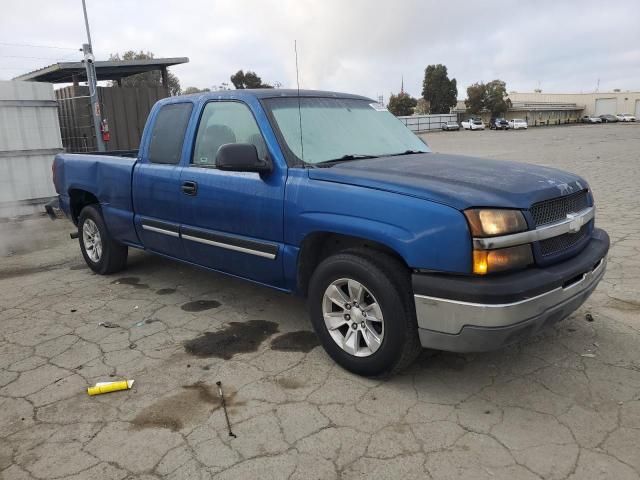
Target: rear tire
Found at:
x=101, y=252
x=386, y=284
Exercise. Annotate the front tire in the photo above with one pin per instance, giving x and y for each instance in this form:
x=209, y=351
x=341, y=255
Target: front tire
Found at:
x=363, y=312
x=102, y=253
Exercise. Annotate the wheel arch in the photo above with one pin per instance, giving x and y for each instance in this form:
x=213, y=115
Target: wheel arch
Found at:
x=319, y=245
x=78, y=199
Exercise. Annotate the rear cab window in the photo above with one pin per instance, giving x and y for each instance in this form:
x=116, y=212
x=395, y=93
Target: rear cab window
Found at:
x=167, y=135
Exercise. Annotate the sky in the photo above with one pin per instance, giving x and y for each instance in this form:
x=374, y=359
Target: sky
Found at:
x=356, y=46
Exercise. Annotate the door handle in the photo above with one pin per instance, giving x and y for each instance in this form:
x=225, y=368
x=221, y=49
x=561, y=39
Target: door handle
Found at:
x=190, y=188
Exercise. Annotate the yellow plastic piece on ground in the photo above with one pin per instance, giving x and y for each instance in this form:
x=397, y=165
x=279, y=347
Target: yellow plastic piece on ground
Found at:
x=106, y=387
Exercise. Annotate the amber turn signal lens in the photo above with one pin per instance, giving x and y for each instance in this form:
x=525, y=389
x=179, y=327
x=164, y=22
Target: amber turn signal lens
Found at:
x=480, y=266
x=492, y=261
x=489, y=222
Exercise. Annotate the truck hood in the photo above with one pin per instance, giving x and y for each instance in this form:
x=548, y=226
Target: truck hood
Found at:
x=455, y=180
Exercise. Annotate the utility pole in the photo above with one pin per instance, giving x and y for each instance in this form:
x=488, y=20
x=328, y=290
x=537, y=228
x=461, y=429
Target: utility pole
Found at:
x=92, y=81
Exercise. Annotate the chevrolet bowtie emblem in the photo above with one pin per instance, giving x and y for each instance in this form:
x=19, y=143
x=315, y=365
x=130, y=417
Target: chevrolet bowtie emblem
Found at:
x=575, y=222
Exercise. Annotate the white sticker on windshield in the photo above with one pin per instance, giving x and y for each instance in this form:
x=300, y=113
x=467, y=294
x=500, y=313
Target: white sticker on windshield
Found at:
x=378, y=107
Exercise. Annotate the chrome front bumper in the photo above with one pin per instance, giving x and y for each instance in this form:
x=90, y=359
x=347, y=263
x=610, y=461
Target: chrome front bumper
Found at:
x=462, y=326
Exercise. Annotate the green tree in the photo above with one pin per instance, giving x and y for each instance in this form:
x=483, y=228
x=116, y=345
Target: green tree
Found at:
x=491, y=96
x=438, y=90
x=147, y=79
x=242, y=80
x=496, y=98
x=476, y=94
x=401, y=104
x=190, y=90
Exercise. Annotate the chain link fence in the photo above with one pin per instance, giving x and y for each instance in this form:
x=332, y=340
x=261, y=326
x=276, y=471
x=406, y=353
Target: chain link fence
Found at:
x=425, y=123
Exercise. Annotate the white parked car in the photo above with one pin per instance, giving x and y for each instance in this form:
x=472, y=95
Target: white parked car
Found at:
x=473, y=124
x=450, y=125
x=591, y=119
x=626, y=117
x=518, y=123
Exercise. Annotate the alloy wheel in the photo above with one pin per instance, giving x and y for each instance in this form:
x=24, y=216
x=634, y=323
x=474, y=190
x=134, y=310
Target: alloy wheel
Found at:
x=92, y=240
x=353, y=317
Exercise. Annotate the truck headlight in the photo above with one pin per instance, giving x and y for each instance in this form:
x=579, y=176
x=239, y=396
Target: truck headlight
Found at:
x=489, y=222
x=502, y=259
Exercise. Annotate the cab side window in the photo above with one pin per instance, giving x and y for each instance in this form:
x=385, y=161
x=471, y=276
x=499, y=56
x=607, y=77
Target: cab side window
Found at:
x=223, y=123
x=167, y=135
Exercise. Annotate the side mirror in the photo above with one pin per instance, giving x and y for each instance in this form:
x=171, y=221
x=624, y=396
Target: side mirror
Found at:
x=241, y=157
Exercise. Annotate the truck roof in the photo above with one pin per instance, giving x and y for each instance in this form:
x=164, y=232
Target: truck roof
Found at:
x=265, y=93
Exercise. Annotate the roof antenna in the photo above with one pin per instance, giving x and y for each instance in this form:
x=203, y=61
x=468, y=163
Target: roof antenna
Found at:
x=295, y=48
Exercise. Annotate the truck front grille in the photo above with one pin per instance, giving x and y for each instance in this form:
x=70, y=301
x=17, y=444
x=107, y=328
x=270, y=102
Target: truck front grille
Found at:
x=556, y=209
x=563, y=242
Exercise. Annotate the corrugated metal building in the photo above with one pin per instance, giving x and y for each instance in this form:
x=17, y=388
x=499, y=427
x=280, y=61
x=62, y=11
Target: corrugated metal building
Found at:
x=594, y=103
x=535, y=113
x=125, y=109
x=29, y=139
x=558, y=108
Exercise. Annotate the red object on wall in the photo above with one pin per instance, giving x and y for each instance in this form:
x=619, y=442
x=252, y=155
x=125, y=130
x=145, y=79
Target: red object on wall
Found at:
x=104, y=129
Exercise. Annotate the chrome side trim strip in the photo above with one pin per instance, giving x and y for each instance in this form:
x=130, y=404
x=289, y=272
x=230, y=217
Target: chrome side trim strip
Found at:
x=450, y=316
x=160, y=230
x=572, y=224
x=270, y=256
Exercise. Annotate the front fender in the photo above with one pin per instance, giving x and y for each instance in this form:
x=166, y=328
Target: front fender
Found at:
x=427, y=235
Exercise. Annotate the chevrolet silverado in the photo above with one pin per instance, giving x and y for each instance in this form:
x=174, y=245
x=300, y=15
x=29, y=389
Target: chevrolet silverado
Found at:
x=329, y=196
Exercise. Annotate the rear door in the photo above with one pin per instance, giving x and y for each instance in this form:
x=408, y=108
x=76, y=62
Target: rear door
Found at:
x=156, y=181
x=232, y=221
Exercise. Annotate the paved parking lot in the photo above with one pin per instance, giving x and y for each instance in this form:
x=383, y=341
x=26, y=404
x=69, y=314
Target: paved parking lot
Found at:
x=562, y=405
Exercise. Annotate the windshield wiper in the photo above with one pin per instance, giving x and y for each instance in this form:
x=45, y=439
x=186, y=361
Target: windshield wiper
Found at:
x=406, y=152
x=345, y=158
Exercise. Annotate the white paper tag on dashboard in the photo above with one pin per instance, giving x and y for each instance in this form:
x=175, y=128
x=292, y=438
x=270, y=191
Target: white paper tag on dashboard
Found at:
x=378, y=107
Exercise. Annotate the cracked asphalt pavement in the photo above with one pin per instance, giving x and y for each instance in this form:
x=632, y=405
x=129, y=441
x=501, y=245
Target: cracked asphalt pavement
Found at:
x=565, y=404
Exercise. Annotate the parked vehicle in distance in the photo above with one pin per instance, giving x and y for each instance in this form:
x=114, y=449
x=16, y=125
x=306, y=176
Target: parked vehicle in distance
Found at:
x=498, y=124
x=473, y=124
x=626, y=117
x=393, y=246
x=591, y=119
x=608, y=118
x=449, y=125
x=518, y=124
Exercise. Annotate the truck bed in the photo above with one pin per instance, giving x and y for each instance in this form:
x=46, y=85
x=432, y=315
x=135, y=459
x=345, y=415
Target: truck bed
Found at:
x=106, y=176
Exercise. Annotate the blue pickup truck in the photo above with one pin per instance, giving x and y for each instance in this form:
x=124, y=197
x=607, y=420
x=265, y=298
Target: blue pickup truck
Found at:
x=329, y=196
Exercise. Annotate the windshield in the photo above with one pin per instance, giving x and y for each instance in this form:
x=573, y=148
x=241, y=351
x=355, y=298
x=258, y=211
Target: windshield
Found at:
x=477, y=122
x=333, y=128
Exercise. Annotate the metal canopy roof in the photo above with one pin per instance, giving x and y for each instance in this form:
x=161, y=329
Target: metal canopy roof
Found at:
x=105, y=70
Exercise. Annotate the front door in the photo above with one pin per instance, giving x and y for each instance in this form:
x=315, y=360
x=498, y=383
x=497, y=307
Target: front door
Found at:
x=232, y=221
